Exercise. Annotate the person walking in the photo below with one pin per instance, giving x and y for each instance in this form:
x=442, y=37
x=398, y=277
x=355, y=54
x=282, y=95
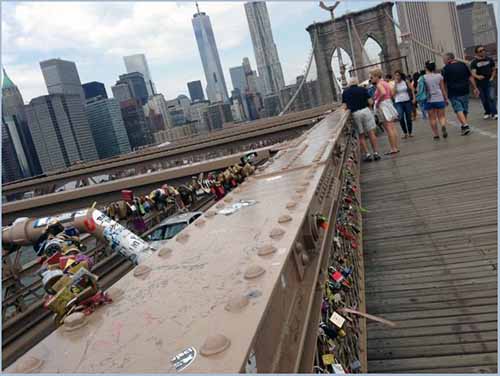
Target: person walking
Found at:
x=404, y=97
x=413, y=85
x=457, y=77
x=436, y=101
x=356, y=99
x=421, y=95
x=387, y=112
x=483, y=70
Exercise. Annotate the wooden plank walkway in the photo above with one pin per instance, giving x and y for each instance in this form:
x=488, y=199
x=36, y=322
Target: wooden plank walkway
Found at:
x=430, y=243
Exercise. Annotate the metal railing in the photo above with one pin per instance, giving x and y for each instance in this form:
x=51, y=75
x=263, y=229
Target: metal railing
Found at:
x=241, y=290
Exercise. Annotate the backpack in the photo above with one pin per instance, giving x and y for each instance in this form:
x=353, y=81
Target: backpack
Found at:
x=421, y=90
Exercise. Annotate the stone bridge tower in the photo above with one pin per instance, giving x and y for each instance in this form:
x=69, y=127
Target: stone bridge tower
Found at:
x=350, y=32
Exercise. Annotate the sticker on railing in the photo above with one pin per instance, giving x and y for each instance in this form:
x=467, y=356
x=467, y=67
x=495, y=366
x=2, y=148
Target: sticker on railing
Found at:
x=338, y=369
x=251, y=366
x=236, y=207
x=182, y=360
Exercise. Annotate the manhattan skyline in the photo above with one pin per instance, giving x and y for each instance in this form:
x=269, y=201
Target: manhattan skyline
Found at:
x=97, y=35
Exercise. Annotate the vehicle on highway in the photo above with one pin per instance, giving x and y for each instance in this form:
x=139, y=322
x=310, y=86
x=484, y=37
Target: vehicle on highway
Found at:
x=28, y=195
x=170, y=227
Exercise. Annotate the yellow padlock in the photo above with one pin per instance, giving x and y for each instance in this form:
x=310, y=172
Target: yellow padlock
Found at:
x=63, y=282
x=328, y=359
x=58, y=303
x=80, y=265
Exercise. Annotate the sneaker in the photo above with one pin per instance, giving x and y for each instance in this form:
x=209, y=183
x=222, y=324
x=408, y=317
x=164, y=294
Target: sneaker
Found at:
x=495, y=117
x=465, y=130
x=367, y=158
x=376, y=156
x=487, y=116
x=444, y=131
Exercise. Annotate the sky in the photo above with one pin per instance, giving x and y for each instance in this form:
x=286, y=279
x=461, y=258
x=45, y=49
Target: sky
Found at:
x=96, y=36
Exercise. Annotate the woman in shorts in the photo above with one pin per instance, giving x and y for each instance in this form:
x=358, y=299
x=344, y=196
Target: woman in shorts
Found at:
x=404, y=98
x=385, y=108
x=436, y=101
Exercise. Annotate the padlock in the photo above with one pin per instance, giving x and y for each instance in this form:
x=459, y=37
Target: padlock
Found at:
x=347, y=271
x=337, y=276
x=327, y=359
x=54, y=259
x=50, y=278
x=330, y=332
x=75, y=268
x=58, y=302
x=52, y=246
x=63, y=282
x=64, y=261
x=355, y=365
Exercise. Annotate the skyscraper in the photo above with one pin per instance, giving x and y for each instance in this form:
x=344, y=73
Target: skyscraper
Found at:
x=218, y=114
x=61, y=77
x=60, y=130
x=478, y=27
x=266, y=53
x=307, y=98
x=138, y=63
x=107, y=127
x=434, y=24
x=198, y=113
x=136, y=84
x=14, y=116
x=94, y=89
x=251, y=77
x=272, y=105
x=196, y=91
x=14, y=160
x=238, y=78
x=216, y=84
x=138, y=131
x=121, y=92
x=158, y=105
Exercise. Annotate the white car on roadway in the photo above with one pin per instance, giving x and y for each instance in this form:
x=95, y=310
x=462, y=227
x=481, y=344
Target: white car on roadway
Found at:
x=170, y=227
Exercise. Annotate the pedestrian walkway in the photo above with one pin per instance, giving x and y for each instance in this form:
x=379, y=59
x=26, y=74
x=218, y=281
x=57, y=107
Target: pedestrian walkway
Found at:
x=430, y=247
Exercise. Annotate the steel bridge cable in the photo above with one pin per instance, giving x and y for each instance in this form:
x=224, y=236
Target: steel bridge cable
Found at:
x=367, y=57
x=290, y=102
x=433, y=50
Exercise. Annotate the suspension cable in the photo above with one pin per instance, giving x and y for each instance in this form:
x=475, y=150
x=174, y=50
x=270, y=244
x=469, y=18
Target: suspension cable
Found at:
x=433, y=50
x=367, y=57
x=304, y=77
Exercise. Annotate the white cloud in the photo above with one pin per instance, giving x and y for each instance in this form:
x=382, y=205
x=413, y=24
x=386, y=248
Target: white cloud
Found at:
x=103, y=32
x=28, y=78
x=162, y=29
x=96, y=35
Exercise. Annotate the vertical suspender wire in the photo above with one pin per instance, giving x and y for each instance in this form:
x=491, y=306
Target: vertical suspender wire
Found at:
x=433, y=50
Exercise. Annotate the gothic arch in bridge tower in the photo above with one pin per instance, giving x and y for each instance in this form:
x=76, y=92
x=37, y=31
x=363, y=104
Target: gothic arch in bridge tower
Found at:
x=350, y=32
x=346, y=60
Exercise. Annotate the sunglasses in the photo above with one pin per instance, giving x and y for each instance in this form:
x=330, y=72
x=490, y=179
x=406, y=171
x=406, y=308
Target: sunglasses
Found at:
x=481, y=51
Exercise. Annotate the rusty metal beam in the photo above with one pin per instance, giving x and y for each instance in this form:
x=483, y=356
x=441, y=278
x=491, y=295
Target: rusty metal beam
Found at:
x=23, y=331
x=217, y=286
x=104, y=193
x=257, y=128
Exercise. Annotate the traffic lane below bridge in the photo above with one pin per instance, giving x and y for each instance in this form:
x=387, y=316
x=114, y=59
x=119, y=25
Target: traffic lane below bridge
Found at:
x=104, y=193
